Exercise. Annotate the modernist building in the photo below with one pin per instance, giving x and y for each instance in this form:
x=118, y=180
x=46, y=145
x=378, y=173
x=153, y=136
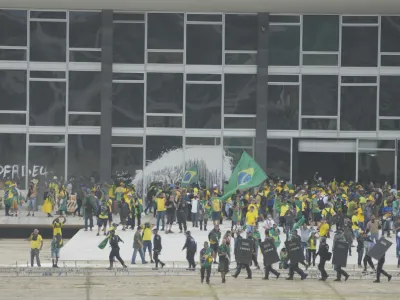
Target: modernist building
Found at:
x=90, y=87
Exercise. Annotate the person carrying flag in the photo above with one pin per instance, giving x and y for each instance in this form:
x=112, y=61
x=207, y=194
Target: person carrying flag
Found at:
x=206, y=259
x=114, y=240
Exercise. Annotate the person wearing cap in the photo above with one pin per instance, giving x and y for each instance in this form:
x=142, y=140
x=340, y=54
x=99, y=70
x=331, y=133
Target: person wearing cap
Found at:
x=323, y=252
x=36, y=241
x=114, y=240
x=157, y=248
x=138, y=246
x=206, y=259
x=191, y=249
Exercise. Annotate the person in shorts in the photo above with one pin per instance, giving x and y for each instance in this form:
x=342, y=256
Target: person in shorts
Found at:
x=32, y=192
x=56, y=245
x=146, y=238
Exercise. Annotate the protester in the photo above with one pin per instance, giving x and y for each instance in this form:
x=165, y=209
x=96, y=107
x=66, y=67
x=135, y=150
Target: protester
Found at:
x=191, y=249
x=206, y=259
x=157, y=247
x=138, y=246
x=114, y=240
x=56, y=245
x=36, y=241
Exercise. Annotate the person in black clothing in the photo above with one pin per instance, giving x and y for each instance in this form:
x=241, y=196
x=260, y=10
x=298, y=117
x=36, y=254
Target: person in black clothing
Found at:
x=191, y=249
x=79, y=196
x=294, y=267
x=157, y=247
x=253, y=254
x=268, y=268
x=114, y=240
x=169, y=204
x=324, y=255
x=181, y=208
x=379, y=270
x=242, y=265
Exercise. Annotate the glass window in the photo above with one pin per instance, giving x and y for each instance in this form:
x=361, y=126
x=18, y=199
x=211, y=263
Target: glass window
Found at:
x=376, y=144
x=48, y=41
x=84, y=29
x=278, y=158
x=207, y=141
x=319, y=124
x=203, y=77
x=283, y=78
x=360, y=19
x=240, y=94
x=84, y=120
x=319, y=95
x=283, y=107
x=128, y=16
x=245, y=123
x=13, y=119
x=284, y=19
x=320, y=33
x=157, y=146
x=128, y=104
x=47, y=74
x=358, y=79
x=47, y=103
x=284, y=45
x=127, y=160
x=12, y=54
x=84, y=56
x=164, y=92
x=12, y=90
x=46, y=138
x=46, y=162
x=390, y=60
x=358, y=108
x=84, y=91
x=240, y=32
x=165, y=57
x=128, y=43
x=164, y=121
x=390, y=34
x=389, y=94
x=359, y=46
x=204, y=17
x=320, y=59
x=84, y=156
x=376, y=166
x=38, y=14
x=13, y=27
x=203, y=106
x=203, y=44
x=128, y=76
x=240, y=58
x=244, y=142
x=165, y=31
x=13, y=157
x=389, y=124
x=127, y=140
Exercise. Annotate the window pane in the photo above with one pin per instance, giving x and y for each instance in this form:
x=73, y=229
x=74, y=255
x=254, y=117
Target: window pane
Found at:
x=127, y=140
x=359, y=46
x=240, y=94
x=245, y=123
x=203, y=77
x=360, y=19
x=203, y=141
x=283, y=78
x=46, y=162
x=128, y=43
x=205, y=17
x=85, y=29
x=84, y=156
x=84, y=120
x=376, y=144
x=128, y=76
x=389, y=94
x=13, y=119
x=47, y=103
x=48, y=41
x=204, y=44
x=284, y=42
x=376, y=166
x=284, y=19
x=127, y=160
x=47, y=74
x=358, y=108
x=12, y=158
x=128, y=16
x=236, y=153
x=389, y=124
x=319, y=124
x=48, y=14
x=240, y=32
x=13, y=27
x=84, y=91
x=164, y=58
x=165, y=31
x=12, y=90
x=128, y=104
x=358, y=79
x=240, y=58
x=12, y=54
x=390, y=34
x=278, y=158
x=164, y=121
x=320, y=59
x=320, y=33
x=85, y=56
x=319, y=95
x=283, y=107
x=46, y=138
x=164, y=92
x=390, y=60
x=203, y=106
x=238, y=142
x=156, y=146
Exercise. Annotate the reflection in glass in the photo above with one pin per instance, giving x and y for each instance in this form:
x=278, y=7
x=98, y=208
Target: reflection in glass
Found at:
x=46, y=162
x=126, y=160
x=43, y=14
x=207, y=141
x=13, y=119
x=390, y=34
x=320, y=33
x=46, y=138
x=128, y=16
x=203, y=106
x=84, y=120
x=245, y=123
x=389, y=125
x=204, y=17
x=164, y=92
x=127, y=140
x=283, y=107
x=284, y=42
x=240, y=94
x=359, y=46
x=241, y=142
x=13, y=150
x=47, y=41
x=284, y=18
x=358, y=108
x=13, y=27
x=241, y=59
x=319, y=124
x=376, y=166
x=240, y=32
x=47, y=103
x=203, y=44
x=128, y=104
x=165, y=31
x=320, y=59
x=12, y=54
x=84, y=156
x=128, y=43
x=390, y=60
x=84, y=56
x=84, y=29
x=360, y=19
x=84, y=91
x=156, y=146
x=389, y=96
x=319, y=95
x=203, y=77
x=12, y=90
x=278, y=158
x=165, y=57
x=164, y=121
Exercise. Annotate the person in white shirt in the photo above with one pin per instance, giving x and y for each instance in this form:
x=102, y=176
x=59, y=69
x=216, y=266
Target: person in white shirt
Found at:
x=195, y=211
x=268, y=222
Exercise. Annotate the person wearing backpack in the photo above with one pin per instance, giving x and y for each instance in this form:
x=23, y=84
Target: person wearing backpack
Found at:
x=191, y=249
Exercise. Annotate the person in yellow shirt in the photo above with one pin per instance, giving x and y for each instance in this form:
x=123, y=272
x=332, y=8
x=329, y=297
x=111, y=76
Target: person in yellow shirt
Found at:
x=146, y=238
x=312, y=249
x=160, y=201
x=354, y=224
x=360, y=217
x=216, y=207
x=284, y=208
x=251, y=219
x=36, y=241
x=57, y=225
x=324, y=229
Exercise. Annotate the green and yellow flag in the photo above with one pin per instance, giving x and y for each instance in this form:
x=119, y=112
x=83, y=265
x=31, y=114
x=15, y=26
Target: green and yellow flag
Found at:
x=191, y=175
x=247, y=174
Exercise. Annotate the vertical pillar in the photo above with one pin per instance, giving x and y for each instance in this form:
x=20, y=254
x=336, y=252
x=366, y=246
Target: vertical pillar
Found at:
x=262, y=90
x=106, y=94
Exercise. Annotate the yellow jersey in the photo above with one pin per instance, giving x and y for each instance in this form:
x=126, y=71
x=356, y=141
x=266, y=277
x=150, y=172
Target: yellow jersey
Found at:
x=160, y=204
x=35, y=244
x=284, y=209
x=251, y=218
x=323, y=230
x=57, y=228
x=216, y=205
x=147, y=234
x=354, y=219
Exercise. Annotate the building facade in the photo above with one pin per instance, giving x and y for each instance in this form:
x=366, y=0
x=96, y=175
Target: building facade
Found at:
x=95, y=93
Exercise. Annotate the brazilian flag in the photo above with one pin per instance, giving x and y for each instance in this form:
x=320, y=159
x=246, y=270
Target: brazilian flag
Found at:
x=247, y=174
x=190, y=176
x=103, y=244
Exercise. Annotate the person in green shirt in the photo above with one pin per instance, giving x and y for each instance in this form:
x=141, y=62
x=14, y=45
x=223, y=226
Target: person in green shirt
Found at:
x=206, y=258
x=351, y=208
x=224, y=253
x=214, y=236
x=237, y=212
x=316, y=212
